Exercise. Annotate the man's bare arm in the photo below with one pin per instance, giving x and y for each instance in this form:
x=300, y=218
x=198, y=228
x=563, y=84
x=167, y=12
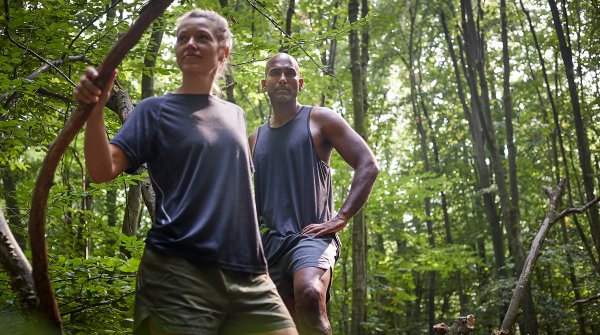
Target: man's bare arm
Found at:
x=336, y=132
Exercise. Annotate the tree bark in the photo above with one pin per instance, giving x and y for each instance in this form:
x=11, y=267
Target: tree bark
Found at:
x=133, y=213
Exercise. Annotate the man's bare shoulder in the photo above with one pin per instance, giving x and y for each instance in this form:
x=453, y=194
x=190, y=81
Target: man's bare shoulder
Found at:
x=252, y=138
x=323, y=114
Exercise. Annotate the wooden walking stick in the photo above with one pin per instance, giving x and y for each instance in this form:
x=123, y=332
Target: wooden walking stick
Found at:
x=48, y=308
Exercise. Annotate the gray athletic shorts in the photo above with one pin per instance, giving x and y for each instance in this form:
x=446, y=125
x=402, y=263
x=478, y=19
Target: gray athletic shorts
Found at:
x=187, y=298
x=307, y=252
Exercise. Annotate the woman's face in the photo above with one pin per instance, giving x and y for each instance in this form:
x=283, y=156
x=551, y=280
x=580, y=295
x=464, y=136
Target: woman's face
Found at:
x=197, y=49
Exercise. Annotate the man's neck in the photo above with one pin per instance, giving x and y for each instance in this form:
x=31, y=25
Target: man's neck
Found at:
x=282, y=113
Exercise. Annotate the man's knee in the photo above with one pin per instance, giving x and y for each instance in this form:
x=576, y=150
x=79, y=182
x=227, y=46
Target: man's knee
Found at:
x=311, y=310
x=310, y=295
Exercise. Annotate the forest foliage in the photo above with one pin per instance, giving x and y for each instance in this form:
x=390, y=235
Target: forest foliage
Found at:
x=458, y=193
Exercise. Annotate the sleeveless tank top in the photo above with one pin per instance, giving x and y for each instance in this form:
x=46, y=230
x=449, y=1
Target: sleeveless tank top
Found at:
x=292, y=185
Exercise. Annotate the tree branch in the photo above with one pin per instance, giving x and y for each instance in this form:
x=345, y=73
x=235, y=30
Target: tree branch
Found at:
x=585, y=301
x=276, y=25
x=10, y=38
x=12, y=96
x=510, y=318
x=98, y=304
x=112, y=5
x=578, y=210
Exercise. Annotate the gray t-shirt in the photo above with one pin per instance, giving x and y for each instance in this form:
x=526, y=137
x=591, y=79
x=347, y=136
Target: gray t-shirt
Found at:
x=196, y=149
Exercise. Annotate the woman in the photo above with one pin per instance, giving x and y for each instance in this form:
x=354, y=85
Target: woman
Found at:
x=203, y=270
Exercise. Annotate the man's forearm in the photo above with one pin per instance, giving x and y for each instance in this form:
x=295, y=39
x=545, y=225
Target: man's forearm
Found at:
x=360, y=190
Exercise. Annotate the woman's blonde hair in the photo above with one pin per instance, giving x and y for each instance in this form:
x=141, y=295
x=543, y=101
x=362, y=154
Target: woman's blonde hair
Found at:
x=223, y=35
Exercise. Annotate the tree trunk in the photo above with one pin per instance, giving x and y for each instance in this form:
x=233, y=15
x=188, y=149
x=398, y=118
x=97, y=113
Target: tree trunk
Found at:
x=580, y=129
x=423, y=146
x=359, y=233
x=120, y=102
x=473, y=119
x=152, y=52
x=15, y=263
x=229, y=81
x=574, y=281
x=529, y=324
x=328, y=58
x=13, y=211
x=558, y=135
x=289, y=14
x=133, y=213
x=343, y=325
x=364, y=59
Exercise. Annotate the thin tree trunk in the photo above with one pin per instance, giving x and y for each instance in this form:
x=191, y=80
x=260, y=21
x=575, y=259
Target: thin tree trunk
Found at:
x=13, y=211
x=111, y=207
x=17, y=267
x=415, y=315
x=580, y=128
x=423, y=145
x=359, y=233
x=229, y=81
x=574, y=281
x=133, y=213
x=364, y=59
x=152, y=52
x=86, y=205
x=558, y=135
x=344, y=327
x=289, y=14
x=328, y=58
x=529, y=324
x=475, y=125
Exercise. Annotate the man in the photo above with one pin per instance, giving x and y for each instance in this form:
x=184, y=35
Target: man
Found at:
x=292, y=181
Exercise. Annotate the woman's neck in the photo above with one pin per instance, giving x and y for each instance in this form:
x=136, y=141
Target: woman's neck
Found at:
x=196, y=84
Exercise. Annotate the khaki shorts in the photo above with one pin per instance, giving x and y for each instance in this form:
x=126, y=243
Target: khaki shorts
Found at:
x=187, y=298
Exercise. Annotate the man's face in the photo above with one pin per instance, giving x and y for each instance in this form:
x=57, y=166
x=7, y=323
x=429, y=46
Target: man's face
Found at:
x=282, y=81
